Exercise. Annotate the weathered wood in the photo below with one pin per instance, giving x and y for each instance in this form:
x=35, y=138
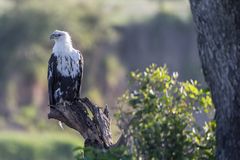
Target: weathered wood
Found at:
x=94, y=127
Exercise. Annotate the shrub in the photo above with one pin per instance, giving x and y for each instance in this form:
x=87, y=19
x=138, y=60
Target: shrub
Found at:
x=163, y=112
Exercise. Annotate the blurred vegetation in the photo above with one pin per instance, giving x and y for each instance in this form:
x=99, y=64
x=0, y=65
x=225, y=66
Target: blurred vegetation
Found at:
x=37, y=146
x=102, y=30
x=25, y=49
x=114, y=36
x=163, y=123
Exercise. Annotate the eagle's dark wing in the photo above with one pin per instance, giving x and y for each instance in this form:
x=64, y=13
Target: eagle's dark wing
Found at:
x=80, y=74
x=51, y=78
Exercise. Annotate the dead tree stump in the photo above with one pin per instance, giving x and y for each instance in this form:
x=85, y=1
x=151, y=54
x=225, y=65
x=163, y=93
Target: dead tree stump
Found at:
x=86, y=118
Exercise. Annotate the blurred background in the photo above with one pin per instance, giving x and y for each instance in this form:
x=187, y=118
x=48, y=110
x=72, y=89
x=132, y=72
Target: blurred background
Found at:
x=115, y=37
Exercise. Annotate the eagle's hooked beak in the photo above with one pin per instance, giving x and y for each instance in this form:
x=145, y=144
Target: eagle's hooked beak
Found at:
x=52, y=36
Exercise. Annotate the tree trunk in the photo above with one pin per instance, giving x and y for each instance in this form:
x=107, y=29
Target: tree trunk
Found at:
x=218, y=28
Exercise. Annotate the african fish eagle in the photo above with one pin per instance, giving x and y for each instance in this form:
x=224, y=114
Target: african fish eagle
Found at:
x=65, y=70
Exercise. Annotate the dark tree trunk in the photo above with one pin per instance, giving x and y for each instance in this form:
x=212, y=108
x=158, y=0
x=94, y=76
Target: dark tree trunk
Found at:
x=218, y=28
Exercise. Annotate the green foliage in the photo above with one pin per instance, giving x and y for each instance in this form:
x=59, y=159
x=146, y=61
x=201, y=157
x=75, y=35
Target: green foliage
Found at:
x=164, y=124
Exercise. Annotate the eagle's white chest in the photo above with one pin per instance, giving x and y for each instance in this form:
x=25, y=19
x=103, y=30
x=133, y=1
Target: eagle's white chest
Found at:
x=68, y=64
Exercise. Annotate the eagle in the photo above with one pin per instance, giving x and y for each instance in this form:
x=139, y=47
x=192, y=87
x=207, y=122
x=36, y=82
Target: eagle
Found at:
x=65, y=70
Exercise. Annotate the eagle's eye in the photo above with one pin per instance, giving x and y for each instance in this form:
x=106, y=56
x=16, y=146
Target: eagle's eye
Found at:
x=58, y=35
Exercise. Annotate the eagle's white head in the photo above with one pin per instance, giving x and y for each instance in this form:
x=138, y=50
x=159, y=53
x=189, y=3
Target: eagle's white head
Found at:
x=63, y=42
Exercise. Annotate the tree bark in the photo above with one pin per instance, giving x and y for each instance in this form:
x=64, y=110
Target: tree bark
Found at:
x=218, y=27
